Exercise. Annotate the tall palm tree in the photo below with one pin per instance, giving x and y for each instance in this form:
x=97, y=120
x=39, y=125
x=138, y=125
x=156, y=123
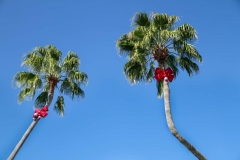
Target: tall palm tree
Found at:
x=46, y=71
x=155, y=41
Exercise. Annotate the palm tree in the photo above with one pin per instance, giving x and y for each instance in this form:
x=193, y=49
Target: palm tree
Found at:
x=46, y=71
x=155, y=41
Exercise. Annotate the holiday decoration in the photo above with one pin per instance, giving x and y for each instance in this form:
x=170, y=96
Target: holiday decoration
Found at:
x=38, y=113
x=166, y=75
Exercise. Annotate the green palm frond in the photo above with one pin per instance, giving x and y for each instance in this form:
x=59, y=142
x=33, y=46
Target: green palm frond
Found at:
x=172, y=21
x=78, y=77
x=186, y=32
x=27, y=80
x=33, y=61
x=59, y=105
x=148, y=42
x=188, y=65
x=53, y=52
x=161, y=21
x=71, y=62
x=151, y=71
x=26, y=93
x=46, y=87
x=135, y=71
x=138, y=33
x=185, y=49
x=41, y=100
x=141, y=19
x=165, y=35
x=164, y=21
x=124, y=45
x=51, y=67
x=159, y=89
x=172, y=62
x=41, y=51
x=71, y=88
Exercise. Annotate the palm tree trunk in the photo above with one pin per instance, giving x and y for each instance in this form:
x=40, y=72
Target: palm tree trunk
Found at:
x=31, y=127
x=166, y=93
x=23, y=139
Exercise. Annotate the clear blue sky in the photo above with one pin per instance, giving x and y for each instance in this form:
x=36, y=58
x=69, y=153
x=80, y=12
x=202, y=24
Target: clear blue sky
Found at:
x=117, y=121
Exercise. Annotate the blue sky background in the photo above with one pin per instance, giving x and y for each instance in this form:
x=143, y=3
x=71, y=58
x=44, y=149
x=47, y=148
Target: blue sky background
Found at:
x=117, y=121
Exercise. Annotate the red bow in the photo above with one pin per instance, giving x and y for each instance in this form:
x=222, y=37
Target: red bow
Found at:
x=38, y=113
x=161, y=74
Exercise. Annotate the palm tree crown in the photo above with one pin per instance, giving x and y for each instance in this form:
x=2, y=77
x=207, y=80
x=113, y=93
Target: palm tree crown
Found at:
x=46, y=71
x=156, y=41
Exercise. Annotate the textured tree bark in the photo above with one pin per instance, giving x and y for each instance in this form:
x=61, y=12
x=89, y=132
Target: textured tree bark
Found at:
x=50, y=94
x=166, y=94
x=31, y=127
x=23, y=139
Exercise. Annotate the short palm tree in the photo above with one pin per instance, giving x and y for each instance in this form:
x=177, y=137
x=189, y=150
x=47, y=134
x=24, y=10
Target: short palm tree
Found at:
x=46, y=73
x=155, y=41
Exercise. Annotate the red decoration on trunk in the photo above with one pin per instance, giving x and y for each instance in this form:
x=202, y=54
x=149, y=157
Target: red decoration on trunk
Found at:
x=38, y=113
x=166, y=75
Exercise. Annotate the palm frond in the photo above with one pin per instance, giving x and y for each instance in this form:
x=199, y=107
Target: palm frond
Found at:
x=160, y=20
x=188, y=65
x=164, y=21
x=78, y=77
x=41, y=100
x=190, y=51
x=71, y=62
x=150, y=73
x=26, y=93
x=149, y=41
x=40, y=50
x=33, y=61
x=137, y=34
x=124, y=45
x=172, y=62
x=159, y=89
x=186, y=32
x=27, y=80
x=71, y=88
x=135, y=71
x=141, y=19
x=165, y=35
x=51, y=67
x=59, y=105
x=172, y=21
x=46, y=87
x=53, y=52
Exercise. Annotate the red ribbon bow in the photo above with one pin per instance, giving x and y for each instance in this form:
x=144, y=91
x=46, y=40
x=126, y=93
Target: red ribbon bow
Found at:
x=38, y=113
x=161, y=74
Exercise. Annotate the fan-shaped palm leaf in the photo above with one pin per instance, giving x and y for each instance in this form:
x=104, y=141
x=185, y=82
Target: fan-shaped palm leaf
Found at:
x=78, y=77
x=59, y=105
x=71, y=62
x=41, y=100
x=140, y=19
x=71, y=88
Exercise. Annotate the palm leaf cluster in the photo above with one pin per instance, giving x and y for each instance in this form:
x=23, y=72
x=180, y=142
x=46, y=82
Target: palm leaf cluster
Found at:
x=156, y=41
x=45, y=66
